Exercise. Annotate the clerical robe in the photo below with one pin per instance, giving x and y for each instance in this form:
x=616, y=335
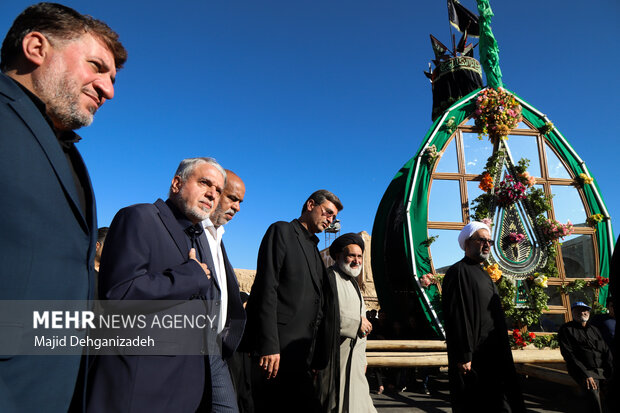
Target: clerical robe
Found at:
x=354, y=390
x=476, y=332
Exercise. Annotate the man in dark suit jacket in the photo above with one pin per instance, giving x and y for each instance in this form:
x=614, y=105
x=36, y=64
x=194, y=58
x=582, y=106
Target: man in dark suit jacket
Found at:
x=48, y=222
x=289, y=303
x=159, y=252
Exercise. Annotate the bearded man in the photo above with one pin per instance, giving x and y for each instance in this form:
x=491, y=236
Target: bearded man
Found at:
x=588, y=359
x=347, y=371
x=481, y=369
x=58, y=68
x=159, y=252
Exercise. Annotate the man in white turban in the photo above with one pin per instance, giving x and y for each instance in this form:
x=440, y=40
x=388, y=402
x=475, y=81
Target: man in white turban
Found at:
x=481, y=369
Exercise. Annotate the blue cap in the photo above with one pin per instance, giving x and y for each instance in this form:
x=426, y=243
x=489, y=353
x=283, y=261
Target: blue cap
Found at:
x=580, y=304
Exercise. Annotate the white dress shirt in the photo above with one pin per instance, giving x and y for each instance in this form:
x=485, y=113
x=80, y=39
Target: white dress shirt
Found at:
x=214, y=236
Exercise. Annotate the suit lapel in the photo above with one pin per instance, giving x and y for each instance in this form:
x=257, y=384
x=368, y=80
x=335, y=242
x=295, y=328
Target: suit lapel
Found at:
x=308, y=254
x=173, y=227
x=44, y=135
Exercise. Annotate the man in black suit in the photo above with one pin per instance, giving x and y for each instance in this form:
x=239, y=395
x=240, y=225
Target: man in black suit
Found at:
x=290, y=304
x=58, y=67
x=159, y=252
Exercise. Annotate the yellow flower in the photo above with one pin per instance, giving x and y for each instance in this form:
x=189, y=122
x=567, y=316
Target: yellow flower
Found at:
x=585, y=179
x=541, y=281
x=494, y=272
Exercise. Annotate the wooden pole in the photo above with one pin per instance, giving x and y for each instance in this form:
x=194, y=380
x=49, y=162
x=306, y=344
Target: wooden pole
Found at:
x=421, y=359
x=403, y=345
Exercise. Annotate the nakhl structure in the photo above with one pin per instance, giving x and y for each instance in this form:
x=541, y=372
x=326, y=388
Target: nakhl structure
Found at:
x=530, y=190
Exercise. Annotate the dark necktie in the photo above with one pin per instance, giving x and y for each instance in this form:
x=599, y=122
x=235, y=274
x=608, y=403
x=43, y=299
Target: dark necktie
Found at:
x=194, y=233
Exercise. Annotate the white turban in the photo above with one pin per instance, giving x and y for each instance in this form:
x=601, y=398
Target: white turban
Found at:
x=469, y=230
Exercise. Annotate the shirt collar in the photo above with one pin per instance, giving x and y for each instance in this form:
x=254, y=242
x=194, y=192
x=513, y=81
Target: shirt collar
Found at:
x=216, y=232
x=308, y=234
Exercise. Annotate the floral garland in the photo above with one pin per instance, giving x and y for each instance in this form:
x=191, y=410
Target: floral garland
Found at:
x=497, y=112
x=589, y=288
x=509, y=191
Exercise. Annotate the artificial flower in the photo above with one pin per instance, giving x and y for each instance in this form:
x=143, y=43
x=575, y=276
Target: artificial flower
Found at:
x=541, y=281
x=515, y=237
x=497, y=112
x=594, y=219
x=527, y=179
x=486, y=182
x=494, y=272
x=488, y=222
x=585, y=179
x=427, y=279
x=509, y=191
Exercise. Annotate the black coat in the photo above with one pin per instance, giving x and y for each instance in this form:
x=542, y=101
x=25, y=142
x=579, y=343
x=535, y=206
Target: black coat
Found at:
x=145, y=257
x=585, y=352
x=47, y=245
x=476, y=332
x=290, y=298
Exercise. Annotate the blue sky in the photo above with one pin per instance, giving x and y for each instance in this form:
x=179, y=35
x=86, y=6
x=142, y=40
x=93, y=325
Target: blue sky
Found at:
x=300, y=95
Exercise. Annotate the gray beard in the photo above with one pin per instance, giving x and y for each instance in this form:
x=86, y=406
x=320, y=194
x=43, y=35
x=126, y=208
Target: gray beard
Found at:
x=191, y=213
x=351, y=272
x=218, y=216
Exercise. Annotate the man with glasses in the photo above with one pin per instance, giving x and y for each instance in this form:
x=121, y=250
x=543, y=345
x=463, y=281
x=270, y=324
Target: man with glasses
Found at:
x=289, y=330
x=481, y=369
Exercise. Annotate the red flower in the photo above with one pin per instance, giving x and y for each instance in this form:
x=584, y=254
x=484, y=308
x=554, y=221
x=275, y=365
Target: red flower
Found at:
x=601, y=281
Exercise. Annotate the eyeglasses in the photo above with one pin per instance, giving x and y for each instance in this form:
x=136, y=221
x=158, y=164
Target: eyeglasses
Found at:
x=484, y=240
x=327, y=212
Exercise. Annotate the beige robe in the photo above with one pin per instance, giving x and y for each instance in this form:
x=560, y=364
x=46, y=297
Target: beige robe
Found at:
x=352, y=309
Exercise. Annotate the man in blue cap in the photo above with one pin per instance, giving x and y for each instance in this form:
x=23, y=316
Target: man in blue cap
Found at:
x=587, y=357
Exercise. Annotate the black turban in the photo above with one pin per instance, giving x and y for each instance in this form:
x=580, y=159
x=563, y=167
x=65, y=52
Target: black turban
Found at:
x=344, y=240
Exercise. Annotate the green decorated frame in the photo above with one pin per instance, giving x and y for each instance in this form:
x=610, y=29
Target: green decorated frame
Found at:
x=416, y=176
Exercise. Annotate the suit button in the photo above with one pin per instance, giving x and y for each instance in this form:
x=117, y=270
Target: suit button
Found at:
x=316, y=301
x=217, y=303
x=311, y=323
x=214, y=328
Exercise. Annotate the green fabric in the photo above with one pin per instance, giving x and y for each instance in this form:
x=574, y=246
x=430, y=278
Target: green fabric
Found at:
x=489, y=51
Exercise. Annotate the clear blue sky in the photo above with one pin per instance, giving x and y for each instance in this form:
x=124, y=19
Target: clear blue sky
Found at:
x=300, y=95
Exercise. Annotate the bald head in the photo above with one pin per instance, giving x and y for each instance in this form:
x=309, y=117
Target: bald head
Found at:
x=230, y=201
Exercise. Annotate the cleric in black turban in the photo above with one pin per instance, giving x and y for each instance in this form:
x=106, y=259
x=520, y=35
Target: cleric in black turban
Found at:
x=344, y=240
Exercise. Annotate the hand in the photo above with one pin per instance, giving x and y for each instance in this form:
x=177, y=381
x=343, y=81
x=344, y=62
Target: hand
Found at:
x=365, y=328
x=591, y=383
x=464, y=368
x=270, y=364
x=192, y=256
